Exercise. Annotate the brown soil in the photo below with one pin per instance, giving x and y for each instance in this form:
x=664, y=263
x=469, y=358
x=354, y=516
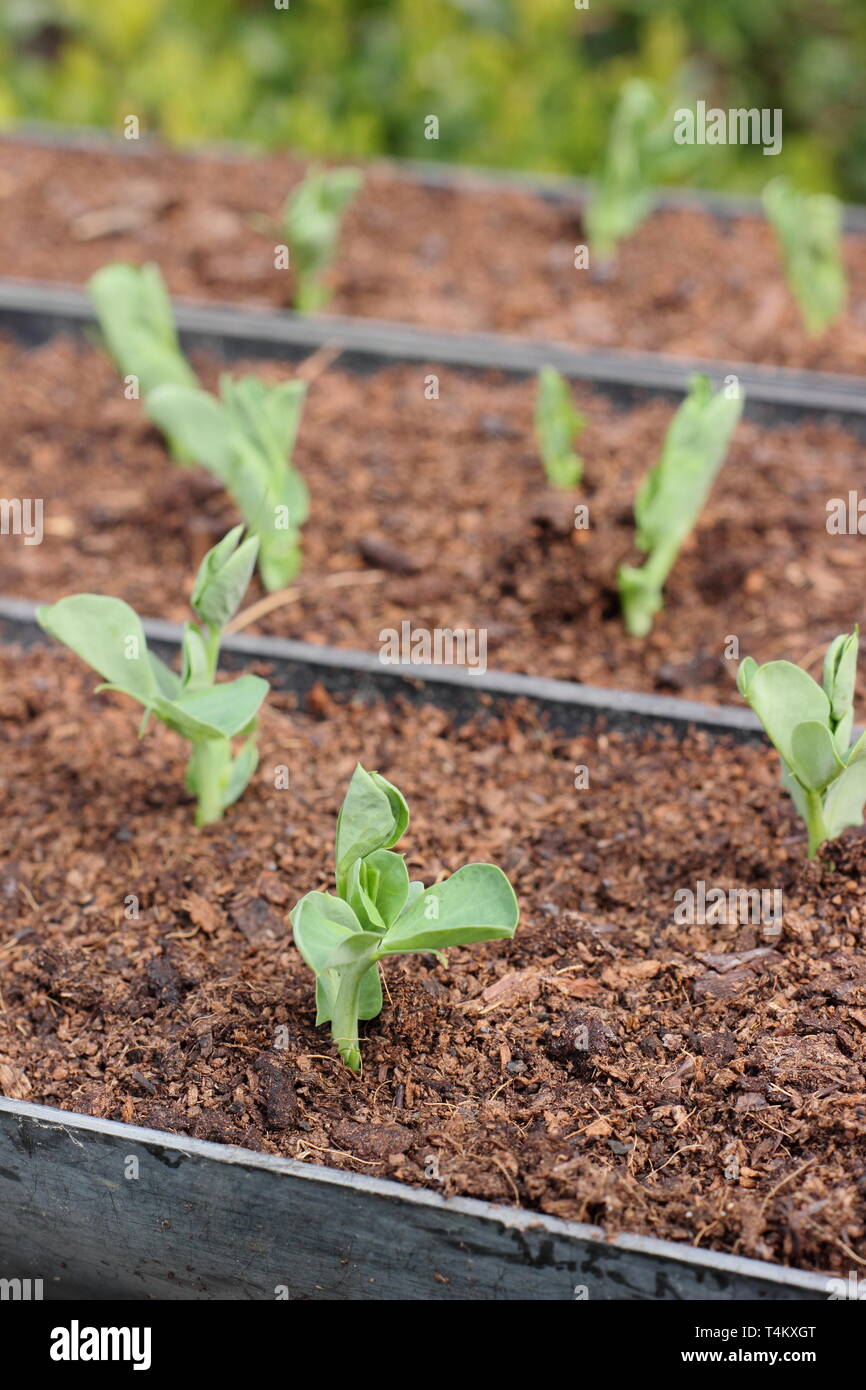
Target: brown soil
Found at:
x=702, y=1083
x=436, y=512
x=686, y=283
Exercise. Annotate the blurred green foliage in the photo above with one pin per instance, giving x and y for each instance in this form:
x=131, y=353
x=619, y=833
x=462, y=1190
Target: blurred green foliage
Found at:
x=515, y=83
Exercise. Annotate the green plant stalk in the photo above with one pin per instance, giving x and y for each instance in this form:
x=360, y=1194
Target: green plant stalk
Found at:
x=344, y=1021
x=815, y=825
x=207, y=777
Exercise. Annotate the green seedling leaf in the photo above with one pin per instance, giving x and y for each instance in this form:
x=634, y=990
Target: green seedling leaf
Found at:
x=810, y=726
x=311, y=220
x=108, y=635
x=220, y=711
x=783, y=696
x=477, y=903
x=557, y=425
x=845, y=799
x=809, y=230
x=373, y=816
x=673, y=494
x=196, y=422
x=815, y=761
x=137, y=324
x=223, y=578
x=377, y=912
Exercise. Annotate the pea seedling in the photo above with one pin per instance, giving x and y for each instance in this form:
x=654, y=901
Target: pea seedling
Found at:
x=311, y=220
x=623, y=196
x=246, y=438
x=377, y=911
x=808, y=228
x=557, y=425
x=672, y=495
x=810, y=727
x=107, y=634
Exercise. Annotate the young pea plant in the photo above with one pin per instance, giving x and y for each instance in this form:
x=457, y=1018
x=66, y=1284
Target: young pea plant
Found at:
x=377, y=912
x=311, y=221
x=673, y=493
x=557, y=425
x=246, y=438
x=810, y=727
x=107, y=634
x=808, y=228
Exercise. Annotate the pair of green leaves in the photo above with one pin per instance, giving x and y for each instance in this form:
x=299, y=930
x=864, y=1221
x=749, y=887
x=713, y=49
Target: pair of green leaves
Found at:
x=674, y=492
x=108, y=635
x=809, y=230
x=245, y=437
x=557, y=425
x=377, y=911
x=810, y=726
x=311, y=219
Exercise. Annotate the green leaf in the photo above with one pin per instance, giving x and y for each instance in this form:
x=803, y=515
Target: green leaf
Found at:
x=477, y=903
x=197, y=674
x=373, y=816
x=196, y=423
x=107, y=634
x=840, y=673
x=223, y=578
x=844, y=802
x=354, y=949
x=809, y=230
x=136, y=320
x=748, y=667
x=783, y=696
x=557, y=425
x=168, y=682
x=387, y=882
x=814, y=758
x=243, y=766
x=223, y=710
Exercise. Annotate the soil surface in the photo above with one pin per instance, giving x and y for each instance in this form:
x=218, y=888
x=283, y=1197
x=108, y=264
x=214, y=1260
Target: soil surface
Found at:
x=704, y=1083
x=686, y=283
x=437, y=513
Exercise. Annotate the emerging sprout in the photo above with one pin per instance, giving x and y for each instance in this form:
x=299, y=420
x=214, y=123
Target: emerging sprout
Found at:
x=557, y=425
x=246, y=439
x=623, y=196
x=377, y=911
x=808, y=228
x=107, y=634
x=810, y=727
x=311, y=219
x=672, y=494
